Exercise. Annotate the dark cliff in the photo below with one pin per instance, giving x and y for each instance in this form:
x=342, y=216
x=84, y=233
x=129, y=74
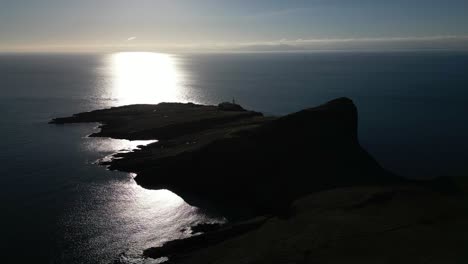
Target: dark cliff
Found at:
x=314, y=194
x=238, y=159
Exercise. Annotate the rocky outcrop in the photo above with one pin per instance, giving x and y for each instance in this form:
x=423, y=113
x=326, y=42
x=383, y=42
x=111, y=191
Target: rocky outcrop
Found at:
x=239, y=159
x=266, y=167
x=320, y=196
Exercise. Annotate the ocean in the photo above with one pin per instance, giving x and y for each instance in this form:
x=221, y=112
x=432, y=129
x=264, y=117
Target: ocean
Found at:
x=58, y=206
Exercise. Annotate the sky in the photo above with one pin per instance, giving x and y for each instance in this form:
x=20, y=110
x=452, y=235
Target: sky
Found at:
x=204, y=25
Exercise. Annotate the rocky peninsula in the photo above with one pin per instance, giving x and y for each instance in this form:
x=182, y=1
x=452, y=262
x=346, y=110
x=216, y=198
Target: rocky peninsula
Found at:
x=297, y=188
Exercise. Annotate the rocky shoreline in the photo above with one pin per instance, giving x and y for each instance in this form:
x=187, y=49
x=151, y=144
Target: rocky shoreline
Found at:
x=297, y=188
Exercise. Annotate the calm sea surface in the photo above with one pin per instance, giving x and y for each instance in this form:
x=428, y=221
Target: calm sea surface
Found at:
x=57, y=206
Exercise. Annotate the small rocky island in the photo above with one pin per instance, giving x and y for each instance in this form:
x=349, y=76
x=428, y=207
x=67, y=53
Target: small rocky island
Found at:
x=296, y=189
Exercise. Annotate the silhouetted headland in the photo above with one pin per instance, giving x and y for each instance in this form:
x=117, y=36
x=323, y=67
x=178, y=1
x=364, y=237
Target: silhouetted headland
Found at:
x=300, y=187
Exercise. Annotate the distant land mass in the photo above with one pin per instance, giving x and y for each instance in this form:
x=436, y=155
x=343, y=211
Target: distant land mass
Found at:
x=296, y=189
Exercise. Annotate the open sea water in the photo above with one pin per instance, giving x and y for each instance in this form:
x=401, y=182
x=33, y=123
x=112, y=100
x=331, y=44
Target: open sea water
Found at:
x=58, y=206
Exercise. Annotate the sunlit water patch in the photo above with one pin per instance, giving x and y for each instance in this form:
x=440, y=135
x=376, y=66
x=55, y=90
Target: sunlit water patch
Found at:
x=118, y=219
x=115, y=146
x=146, y=77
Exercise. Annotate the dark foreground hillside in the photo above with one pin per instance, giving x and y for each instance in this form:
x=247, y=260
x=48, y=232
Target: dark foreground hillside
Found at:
x=297, y=188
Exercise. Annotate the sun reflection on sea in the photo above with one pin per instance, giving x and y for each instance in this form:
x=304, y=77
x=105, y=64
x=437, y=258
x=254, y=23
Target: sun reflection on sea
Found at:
x=145, y=77
x=108, y=215
x=131, y=217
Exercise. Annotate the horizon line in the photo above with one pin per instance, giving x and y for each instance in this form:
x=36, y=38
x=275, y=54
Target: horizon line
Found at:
x=437, y=42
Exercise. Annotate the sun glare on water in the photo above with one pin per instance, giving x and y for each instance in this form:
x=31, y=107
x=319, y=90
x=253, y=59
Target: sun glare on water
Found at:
x=145, y=77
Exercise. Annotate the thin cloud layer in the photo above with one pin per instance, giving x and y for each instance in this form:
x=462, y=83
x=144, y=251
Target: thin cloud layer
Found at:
x=456, y=43
x=389, y=43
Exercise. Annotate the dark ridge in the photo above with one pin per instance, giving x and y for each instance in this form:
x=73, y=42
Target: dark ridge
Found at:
x=326, y=198
x=266, y=167
x=227, y=157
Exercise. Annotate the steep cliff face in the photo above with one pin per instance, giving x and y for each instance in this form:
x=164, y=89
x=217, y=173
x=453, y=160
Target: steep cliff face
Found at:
x=268, y=166
x=239, y=159
x=320, y=196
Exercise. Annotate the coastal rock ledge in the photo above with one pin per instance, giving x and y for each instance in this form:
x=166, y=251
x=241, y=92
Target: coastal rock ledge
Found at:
x=239, y=159
x=321, y=197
